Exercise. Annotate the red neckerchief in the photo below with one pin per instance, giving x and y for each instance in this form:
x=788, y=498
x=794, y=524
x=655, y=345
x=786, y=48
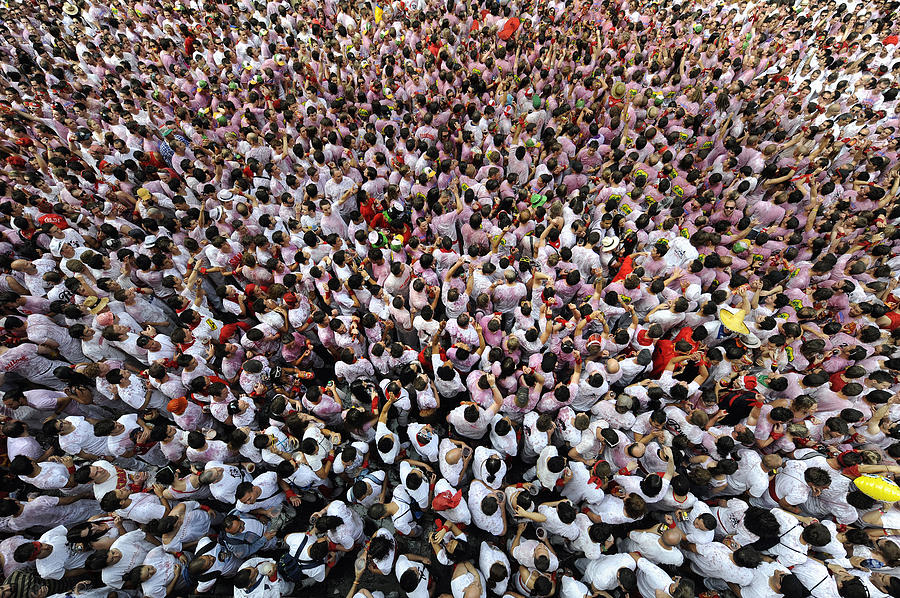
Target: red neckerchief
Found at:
x=142, y=448
x=121, y=478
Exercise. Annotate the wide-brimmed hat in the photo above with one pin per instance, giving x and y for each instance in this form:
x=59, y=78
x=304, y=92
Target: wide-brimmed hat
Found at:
x=95, y=304
x=70, y=9
x=609, y=243
x=538, y=200
x=733, y=320
x=618, y=90
x=751, y=341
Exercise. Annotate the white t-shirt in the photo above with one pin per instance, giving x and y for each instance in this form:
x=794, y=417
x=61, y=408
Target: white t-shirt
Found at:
x=429, y=450
x=759, y=586
x=294, y=541
x=404, y=564
x=524, y=554
x=650, y=577
x=492, y=524
x=55, y=565
x=602, y=572
x=713, y=559
x=134, y=546
x=647, y=543
x=487, y=556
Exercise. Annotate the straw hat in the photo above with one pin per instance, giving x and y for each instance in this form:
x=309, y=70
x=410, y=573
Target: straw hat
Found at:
x=609, y=243
x=618, y=90
x=95, y=304
x=70, y=9
x=733, y=320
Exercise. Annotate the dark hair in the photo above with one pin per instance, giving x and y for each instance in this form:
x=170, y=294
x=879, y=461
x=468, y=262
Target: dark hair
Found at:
x=816, y=534
x=708, y=520
x=761, y=522
x=746, y=556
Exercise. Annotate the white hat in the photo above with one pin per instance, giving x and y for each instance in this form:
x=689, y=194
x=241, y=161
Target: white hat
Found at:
x=215, y=214
x=373, y=238
x=150, y=240
x=610, y=243
x=225, y=195
x=751, y=341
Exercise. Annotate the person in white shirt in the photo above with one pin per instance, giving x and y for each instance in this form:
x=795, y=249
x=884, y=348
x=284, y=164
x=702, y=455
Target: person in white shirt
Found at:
x=401, y=511
x=413, y=575
x=495, y=567
x=259, y=578
x=653, y=581
x=54, y=558
x=658, y=543
x=608, y=572
x=126, y=552
x=487, y=508
x=470, y=419
x=722, y=565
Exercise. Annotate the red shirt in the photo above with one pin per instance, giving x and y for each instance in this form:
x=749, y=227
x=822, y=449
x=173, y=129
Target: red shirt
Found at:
x=685, y=335
x=894, y=317
x=837, y=383
x=665, y=351
x=56, y=219
x=625, y=270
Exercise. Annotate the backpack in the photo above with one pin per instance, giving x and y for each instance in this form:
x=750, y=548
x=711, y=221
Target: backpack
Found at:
x=293, y=568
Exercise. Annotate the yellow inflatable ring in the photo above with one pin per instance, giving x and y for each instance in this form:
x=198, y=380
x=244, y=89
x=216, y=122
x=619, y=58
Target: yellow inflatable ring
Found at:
x=878, y=487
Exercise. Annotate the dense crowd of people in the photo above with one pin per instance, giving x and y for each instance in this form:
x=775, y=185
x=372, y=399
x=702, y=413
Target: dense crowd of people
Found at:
x=434, y=298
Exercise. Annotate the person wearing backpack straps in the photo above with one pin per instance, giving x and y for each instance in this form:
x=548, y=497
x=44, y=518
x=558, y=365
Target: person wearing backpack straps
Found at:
x=259, y=578
x=308, y=559
x=244, y=535
x=211, y=561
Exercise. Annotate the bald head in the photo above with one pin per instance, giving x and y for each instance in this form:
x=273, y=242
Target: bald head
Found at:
x=637, y=450
x=672, y=537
